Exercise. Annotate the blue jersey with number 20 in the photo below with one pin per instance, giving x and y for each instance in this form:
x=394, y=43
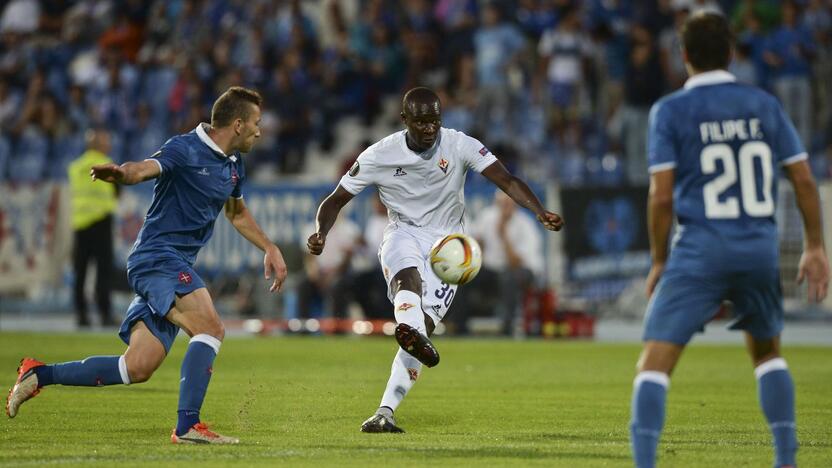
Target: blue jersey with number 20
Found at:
x=726, y=142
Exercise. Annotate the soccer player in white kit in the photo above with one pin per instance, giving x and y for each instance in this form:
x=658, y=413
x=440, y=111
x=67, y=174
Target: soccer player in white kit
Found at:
x=420, y=175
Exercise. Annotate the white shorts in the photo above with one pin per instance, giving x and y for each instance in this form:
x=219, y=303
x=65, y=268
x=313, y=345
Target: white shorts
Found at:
x=405, y=246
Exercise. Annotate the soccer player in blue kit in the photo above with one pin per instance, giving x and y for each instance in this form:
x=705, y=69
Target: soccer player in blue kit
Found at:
x=714, y=148
x=197, y=174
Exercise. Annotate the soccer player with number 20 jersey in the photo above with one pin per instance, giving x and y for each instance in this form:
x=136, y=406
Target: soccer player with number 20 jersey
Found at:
x=714, y=152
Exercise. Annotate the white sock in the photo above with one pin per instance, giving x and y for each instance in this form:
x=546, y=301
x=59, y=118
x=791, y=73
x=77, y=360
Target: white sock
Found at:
x=408, y=309
x=403, y=375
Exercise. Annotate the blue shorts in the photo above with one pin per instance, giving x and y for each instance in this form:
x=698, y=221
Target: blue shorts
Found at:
x=157, y=283
x=684, y=302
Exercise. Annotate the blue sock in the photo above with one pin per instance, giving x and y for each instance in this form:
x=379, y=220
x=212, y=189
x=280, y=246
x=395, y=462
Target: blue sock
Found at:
x=196, y=373
x=93, y=371
x=649, y=392
x=776, y=391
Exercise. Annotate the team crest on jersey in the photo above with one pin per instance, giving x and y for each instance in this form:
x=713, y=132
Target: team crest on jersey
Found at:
x=484, y=151
x=234, y=177
x=405, y=305
x=354, y=169
x=443, y=164
x=399, y=172
x=184, y=277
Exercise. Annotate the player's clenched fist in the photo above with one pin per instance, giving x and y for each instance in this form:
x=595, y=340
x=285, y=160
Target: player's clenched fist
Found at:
x=112, y=173
x=550, y=221
x=316, y=243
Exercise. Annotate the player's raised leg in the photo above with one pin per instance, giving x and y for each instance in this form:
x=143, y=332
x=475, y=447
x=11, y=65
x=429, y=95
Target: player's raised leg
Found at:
x=649, y=394
x=776, y=393
x=137, y=364
x=195, y=313
x=411, y=331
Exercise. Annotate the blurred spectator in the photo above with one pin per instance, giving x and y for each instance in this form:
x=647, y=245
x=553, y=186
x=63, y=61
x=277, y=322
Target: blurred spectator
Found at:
x=512, y=253
x=93, y=205
x=643, y=86
x=670, y=50
x=789, y=52
x=563, y=51
x=766, y=11
x=20, y=16
x=498, y=44
x=369, y=278
x=329, y=285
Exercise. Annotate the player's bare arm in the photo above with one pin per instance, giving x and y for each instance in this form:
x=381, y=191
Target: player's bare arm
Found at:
x=520, y=192
x=129, y=173
x=325, y=219
x=814, y=265
x=242, y=220
x=659, y=222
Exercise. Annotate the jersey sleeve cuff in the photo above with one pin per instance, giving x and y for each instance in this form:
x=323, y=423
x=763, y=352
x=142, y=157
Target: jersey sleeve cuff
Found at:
x=795, y=159
x=485, y=164
x=666, y=166
x=161, y=169
x=349, y=189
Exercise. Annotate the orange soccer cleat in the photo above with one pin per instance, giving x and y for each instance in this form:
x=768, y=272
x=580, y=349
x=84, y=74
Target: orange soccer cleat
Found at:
x=26, y=386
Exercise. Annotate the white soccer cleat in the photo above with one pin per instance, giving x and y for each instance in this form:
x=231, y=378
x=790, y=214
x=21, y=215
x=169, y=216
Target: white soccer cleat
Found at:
x=200, y=434
x=25, y=387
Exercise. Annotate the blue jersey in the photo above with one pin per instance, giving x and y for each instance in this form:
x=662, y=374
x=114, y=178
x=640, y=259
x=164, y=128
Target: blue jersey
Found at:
x=196, y=181
x=726, y=142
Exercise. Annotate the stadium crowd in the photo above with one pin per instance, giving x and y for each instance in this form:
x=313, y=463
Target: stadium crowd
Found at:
x=561, y=85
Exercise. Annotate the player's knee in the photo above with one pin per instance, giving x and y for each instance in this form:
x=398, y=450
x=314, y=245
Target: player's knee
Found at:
x=140, y=370
x=213, y=327
x=408, y=279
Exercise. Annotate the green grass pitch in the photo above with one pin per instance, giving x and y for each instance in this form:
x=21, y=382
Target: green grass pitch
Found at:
x=300, y=401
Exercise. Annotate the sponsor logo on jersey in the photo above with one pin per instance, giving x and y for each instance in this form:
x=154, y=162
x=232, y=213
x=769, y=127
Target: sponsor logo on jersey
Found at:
x=443, y=164
x=203, y=171
x=354, y=169
x=414, y=374
x=484, y=151
x=406, y=305
x=399, y=172
x=436, y=308
x=184, y=277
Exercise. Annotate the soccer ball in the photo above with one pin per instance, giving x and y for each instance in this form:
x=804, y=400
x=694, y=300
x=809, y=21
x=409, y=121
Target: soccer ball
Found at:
x=456, y=258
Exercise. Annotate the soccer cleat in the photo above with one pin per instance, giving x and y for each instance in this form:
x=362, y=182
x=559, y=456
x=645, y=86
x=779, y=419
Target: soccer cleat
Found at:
x=416, y=344
x=200, y=434
x=378, y=423
x=26, y=386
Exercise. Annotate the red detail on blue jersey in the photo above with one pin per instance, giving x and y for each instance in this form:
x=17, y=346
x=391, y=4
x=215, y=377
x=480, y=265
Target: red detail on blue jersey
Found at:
x=184, y=277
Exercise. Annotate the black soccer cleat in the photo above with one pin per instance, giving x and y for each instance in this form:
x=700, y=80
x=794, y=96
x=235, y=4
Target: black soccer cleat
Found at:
x=379, y=423
x=417, y=345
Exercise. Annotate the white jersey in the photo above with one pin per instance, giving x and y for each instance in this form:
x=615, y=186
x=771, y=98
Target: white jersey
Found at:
x=423, y=190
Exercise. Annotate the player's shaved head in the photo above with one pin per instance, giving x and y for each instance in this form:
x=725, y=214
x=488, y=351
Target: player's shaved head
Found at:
x=421, y=101
x=707, y=39
x=422, y=115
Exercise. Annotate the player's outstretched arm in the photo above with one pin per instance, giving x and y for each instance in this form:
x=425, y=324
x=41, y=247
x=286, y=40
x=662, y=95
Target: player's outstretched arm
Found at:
x=814, y=265
x=659, y=222
x=242, y=220
x=128, y=173
x=520, y=192
x=327, y=214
